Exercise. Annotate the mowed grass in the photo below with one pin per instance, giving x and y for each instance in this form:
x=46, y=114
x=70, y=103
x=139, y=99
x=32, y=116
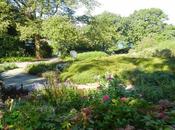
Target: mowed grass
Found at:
x=87, y=70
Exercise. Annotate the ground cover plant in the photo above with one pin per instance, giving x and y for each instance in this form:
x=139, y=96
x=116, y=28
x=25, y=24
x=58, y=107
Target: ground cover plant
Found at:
x=150, y=47
x=103, y=87
x=16, y=59
x=7, y=66
x=88, y=70
x=112, y=106
x=39, y=69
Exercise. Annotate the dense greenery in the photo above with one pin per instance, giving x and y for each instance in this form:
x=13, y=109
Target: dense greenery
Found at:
x=26, y=17
x=7, y=66
x=134, y=91
x=16, y=59
x=88, y=69
x=56, y=23
x=149, y=47
x=69, y=108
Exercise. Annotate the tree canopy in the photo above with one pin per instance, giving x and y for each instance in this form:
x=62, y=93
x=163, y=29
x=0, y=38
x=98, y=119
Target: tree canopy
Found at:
x=55, y=21
x=32, y=13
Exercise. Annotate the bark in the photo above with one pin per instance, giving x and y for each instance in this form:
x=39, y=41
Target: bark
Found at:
x=37, y=47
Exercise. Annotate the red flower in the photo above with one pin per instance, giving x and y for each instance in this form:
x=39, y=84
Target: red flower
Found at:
x=106, y=98
x=123, y=99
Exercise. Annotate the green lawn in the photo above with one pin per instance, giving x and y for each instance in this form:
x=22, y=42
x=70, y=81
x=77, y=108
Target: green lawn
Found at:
x=86, y=70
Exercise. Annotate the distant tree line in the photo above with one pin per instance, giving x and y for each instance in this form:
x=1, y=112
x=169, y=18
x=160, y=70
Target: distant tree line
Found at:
x=55, y=22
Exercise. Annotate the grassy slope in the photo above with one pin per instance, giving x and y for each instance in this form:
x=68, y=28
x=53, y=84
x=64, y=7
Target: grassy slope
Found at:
x=85, y=71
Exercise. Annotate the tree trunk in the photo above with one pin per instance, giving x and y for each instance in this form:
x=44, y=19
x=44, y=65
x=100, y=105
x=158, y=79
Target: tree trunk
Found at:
x=37, y=47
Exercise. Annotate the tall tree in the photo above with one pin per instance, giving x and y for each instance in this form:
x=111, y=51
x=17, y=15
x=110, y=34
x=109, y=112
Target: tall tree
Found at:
x=61, y=31
x=5, y=17
x=141, y=24
x=32, y=13
x=101, y=32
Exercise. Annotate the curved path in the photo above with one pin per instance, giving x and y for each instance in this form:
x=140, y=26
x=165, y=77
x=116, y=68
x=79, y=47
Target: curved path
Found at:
x=18, y=77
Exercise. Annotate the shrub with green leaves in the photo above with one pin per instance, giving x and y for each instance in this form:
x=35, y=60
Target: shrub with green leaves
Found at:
x=150, y=47
x=91, y=55
x=38, y=69
x=7, y=66
x=68, y=108
x=16, y=59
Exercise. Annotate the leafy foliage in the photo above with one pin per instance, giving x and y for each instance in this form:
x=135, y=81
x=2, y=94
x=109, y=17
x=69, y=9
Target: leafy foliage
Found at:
x=150, y=47
x=101, y=32
x=7, y=66
x=5, y=17
x=68, y=108
x=16, y=59
x=142, y=23
x=88, y=69
x=62, y=32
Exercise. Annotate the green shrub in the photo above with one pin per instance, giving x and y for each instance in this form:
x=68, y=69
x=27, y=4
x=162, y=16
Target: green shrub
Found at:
x=46, y=50
x=91, y=55
x=108, y=108
x=164, y=53
x=16, y=59
x=7, y=66
x=11, y=46
x=38, y=69
x=149, y=47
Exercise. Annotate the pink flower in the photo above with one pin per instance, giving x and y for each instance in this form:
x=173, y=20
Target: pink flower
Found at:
x=123, y=99
x=106, y=98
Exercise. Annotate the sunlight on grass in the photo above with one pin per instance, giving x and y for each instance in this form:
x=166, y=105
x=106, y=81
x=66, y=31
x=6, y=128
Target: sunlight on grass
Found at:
x=85, y=71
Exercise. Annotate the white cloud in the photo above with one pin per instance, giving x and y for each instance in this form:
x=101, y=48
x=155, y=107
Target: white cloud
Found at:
x=126, y=7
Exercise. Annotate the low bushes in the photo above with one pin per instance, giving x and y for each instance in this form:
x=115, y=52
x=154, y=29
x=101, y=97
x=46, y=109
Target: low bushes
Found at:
x=7, y=66
x=16, y=59
x=46, y=50
x=91, y=55
x=12, y=46
x=40, y=68
x=149, y=47
x=111, y=107
x=150, y=86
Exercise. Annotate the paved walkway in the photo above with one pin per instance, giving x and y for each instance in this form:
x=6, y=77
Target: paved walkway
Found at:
x=18, y=77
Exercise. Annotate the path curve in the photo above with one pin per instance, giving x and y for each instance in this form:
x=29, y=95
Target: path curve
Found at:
x=18, y=77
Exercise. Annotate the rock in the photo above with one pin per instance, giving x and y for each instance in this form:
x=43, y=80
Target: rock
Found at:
x=2, y=105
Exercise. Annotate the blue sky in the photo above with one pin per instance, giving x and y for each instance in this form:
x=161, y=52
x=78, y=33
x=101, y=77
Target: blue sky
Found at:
x=126, y=7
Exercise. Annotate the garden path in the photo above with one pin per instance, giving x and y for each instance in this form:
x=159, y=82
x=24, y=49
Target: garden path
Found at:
x=18, y=77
